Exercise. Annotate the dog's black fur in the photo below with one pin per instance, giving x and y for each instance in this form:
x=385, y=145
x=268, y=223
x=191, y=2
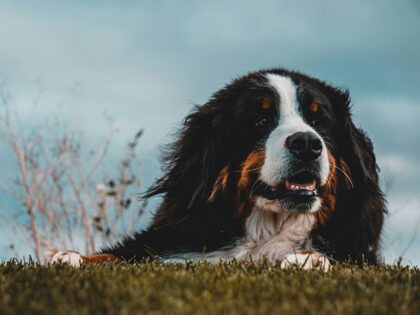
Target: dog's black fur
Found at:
x=219, y=134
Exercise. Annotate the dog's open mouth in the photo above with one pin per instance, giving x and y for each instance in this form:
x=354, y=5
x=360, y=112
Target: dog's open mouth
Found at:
x=303, y=184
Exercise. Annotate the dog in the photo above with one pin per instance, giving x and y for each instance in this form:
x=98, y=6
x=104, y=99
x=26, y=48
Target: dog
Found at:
x=272, y=167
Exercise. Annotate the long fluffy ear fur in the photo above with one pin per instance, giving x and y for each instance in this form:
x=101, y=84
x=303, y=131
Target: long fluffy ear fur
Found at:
x=360, y=152
x=355, y=228
x=358, y=149
x=191, y=162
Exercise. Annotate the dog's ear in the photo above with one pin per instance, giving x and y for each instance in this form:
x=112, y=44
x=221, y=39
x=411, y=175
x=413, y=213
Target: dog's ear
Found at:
x=192, y=162
x=360, y=152
x=358, y=149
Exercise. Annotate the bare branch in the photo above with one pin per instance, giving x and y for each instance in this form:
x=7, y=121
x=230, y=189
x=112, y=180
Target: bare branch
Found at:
x=58, y=201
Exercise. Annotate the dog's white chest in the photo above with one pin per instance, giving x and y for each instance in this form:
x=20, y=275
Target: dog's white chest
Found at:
x=270, y=236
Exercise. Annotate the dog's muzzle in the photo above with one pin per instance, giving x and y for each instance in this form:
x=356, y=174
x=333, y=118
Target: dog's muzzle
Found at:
x=301, y=175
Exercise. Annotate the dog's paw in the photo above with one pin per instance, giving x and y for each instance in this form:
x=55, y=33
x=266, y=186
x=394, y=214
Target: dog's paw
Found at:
x=311, y=260
x=70, y=257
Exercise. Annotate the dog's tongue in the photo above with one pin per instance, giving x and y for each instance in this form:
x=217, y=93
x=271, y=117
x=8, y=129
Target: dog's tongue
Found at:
x=301, y=186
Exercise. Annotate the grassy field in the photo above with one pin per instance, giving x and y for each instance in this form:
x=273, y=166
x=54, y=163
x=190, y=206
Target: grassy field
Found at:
x=207, y=289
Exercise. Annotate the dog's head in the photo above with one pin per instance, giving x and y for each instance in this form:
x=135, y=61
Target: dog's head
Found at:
x=274, y=139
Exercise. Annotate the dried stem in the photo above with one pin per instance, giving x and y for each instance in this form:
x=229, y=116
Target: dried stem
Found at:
x=59, y=202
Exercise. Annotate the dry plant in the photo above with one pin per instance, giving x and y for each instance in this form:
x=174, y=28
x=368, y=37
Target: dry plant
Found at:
x=61, y=194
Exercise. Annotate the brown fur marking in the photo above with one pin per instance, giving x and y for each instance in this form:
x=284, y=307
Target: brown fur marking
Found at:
x=220, y=184
x=314, y=106
x=250, y=168
x=267, y=103
x=328, y=194
x=100, y=259
x=252, y=164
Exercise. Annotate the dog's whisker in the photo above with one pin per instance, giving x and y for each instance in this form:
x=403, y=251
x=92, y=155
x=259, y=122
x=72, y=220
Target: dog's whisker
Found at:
x=257, y=184
x=345, y=174
x=248, y=171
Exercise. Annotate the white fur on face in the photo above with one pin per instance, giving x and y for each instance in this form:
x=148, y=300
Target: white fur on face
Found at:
x=277, y=158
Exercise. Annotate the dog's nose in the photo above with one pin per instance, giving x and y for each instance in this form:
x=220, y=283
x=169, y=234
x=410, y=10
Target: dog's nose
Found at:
x=305, y=146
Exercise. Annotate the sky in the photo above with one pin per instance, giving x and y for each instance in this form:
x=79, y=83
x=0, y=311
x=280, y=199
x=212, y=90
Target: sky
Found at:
x=147, y=63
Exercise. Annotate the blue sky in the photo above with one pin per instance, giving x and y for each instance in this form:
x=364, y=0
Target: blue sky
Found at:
x=148, y=63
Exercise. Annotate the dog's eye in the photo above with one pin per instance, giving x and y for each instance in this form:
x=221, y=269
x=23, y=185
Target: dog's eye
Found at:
x=263, y=121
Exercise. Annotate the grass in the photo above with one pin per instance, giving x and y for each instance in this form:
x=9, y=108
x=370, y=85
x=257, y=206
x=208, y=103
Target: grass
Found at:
x=27, y=288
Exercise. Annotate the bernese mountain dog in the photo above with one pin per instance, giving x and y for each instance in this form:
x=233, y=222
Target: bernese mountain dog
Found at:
x=271, y=167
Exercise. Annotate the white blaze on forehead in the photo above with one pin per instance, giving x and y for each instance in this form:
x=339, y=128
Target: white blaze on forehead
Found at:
x=286, y=90
x=278, y=159
x=289, y=106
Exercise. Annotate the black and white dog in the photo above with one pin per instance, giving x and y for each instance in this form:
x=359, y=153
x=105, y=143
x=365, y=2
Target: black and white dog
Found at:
x=270, y=167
